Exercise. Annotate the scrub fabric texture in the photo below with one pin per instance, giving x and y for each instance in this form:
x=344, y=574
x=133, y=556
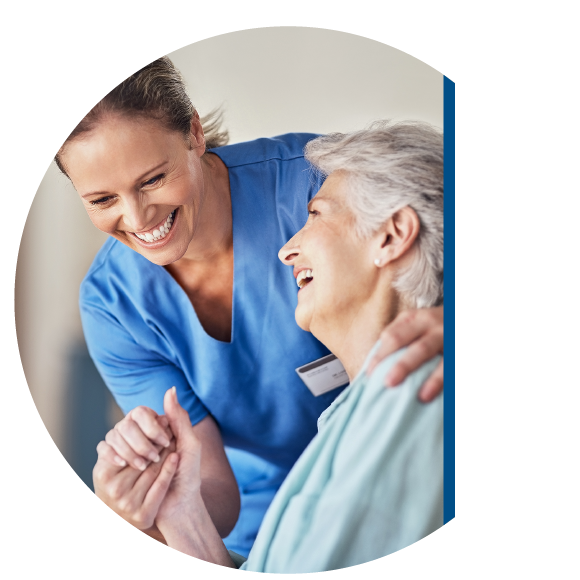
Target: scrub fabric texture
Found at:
x=370, y=482
x=144, y=336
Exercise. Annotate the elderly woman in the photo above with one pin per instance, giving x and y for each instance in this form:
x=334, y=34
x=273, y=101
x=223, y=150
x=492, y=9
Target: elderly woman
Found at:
x=187, y=291
x=371, y=481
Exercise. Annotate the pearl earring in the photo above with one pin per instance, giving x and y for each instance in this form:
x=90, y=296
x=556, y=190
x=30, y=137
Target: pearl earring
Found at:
x=378, y=263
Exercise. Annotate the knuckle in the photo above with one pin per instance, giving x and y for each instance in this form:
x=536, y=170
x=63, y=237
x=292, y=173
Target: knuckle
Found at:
x=115, y=492
x=140, y=413
x=423, y=349
x=140, y=519
x=408, y=316
x=125, y=504
x=124, y=425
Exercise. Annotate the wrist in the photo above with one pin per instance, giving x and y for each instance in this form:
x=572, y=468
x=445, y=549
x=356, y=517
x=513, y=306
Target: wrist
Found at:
x=181, y=517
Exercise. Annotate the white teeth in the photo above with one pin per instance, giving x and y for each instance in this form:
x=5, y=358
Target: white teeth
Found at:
x=160, y=233
x=303, y=277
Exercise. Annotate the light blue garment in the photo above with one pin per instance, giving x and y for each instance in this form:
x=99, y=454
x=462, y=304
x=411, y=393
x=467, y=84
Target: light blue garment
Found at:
x=370, y=482
x=145, y=337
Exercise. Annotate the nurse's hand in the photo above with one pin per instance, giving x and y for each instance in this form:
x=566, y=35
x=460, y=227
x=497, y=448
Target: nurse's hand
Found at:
x=138, y=438
x=422, y=331
x=134, y=494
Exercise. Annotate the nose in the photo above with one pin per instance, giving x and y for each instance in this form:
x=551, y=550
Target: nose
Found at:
x=136, y=216
x=290, y=251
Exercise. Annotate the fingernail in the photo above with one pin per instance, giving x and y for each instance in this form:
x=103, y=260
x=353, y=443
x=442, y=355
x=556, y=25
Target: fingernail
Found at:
x=120, y=462
x=164, y=442
x=154, y=457
x=140, y=464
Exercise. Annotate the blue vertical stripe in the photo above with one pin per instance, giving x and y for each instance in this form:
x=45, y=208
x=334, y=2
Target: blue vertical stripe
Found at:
x=449, y=309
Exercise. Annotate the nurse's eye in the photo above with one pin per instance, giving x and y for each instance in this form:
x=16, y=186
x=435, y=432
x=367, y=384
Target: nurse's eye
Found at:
x=154, y=180
x=101, y=200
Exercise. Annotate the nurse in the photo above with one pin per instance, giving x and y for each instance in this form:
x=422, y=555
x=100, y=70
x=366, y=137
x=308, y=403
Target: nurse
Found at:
x=188, y=292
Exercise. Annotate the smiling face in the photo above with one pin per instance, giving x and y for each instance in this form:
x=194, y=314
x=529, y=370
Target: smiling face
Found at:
x=140, y=183
x=332, y=265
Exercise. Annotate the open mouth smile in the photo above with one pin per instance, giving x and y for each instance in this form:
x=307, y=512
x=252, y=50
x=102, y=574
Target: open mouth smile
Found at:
x=159, y=231
x=304, y=277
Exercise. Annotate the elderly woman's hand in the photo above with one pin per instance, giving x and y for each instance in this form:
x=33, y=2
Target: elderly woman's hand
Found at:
x=422, y=331
x=132, y=493
x=138, y=438
x=185, y=490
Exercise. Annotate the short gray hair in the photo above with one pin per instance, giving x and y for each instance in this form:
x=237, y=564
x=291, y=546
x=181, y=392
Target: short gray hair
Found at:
x=390, y=166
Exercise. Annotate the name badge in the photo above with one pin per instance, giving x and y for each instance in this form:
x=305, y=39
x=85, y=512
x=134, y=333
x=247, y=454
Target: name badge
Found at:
x=323, y=375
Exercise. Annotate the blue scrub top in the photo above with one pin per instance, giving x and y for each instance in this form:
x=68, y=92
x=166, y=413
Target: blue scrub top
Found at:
x=144, y=336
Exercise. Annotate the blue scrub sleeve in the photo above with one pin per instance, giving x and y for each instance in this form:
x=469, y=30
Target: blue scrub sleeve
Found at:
x=134, y=375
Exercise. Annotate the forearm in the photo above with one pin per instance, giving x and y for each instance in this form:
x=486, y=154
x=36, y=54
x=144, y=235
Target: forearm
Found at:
x=194, y=533
x=222, y=501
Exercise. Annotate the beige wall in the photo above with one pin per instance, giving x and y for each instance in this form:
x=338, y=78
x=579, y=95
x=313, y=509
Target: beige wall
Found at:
x=269, y=81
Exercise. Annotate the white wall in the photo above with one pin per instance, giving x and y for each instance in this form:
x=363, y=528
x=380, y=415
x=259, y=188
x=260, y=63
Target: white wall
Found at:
x=269, y=81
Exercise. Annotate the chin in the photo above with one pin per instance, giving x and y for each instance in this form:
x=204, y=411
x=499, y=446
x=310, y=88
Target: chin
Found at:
x=301, y=320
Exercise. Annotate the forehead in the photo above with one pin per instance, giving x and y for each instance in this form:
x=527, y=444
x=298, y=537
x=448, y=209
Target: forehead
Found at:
x=333, y=190
x=118, y=148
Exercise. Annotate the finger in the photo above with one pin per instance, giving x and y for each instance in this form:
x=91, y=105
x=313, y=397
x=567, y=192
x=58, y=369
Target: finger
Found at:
x=403, y=330
x=433, y=385
x=122, y=448
x=112, y=482
x=147, y=420
x=107, y=453
x=145, y=479
x=137, y=440
x=164, y=422
x=159, y=488
x=418, y=353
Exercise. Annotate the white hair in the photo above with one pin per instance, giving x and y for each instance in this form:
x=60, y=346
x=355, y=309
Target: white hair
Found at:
x=390, y=166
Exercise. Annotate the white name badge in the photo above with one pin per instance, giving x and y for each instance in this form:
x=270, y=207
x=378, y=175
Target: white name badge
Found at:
x=323, y=375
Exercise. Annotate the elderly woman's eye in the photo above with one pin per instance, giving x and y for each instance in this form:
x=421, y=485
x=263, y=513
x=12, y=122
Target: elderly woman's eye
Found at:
x=313, y=212
x=154, y=180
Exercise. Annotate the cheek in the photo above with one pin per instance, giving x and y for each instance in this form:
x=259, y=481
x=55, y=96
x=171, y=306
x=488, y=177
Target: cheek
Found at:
x=101, y=221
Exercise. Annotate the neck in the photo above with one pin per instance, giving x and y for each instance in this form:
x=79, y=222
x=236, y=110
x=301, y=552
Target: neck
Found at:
x=213, y=230
x=351, y=337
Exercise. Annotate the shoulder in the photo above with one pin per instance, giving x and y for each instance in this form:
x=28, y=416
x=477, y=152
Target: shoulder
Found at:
x=285, y=147
x=114, y=271
x=367, y=401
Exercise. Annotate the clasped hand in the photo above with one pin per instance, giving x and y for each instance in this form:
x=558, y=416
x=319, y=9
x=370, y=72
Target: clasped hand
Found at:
x=149, y=465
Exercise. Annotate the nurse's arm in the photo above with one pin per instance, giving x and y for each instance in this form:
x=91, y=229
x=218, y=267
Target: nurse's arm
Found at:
x=422, y=331
x=184, y=517
x=219, y=488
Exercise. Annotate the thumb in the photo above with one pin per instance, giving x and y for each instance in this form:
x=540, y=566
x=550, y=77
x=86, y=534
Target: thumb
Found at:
x=187, y=444
x=177, y=416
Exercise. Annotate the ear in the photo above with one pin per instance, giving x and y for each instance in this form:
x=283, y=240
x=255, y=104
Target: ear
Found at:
x=196, y=135
x=397, y=236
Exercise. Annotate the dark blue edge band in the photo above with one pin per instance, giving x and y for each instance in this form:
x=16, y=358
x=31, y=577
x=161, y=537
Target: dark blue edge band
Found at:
x=449, y=308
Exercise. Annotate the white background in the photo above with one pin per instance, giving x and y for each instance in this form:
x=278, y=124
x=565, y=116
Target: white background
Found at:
x=515, y=69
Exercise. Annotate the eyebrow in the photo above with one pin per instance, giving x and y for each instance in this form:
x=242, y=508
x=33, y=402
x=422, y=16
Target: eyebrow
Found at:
x=140, y=178
x=320, y=198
